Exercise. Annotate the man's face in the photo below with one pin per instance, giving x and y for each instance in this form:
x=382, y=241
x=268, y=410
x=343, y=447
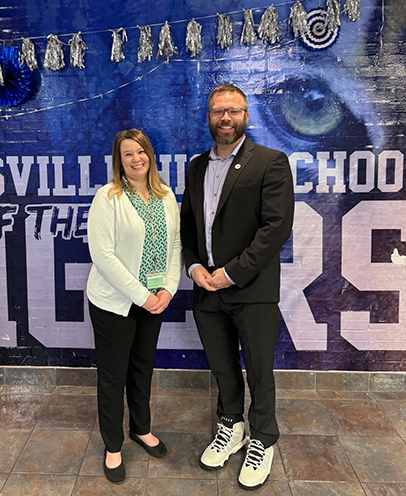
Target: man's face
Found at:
x=226, y=130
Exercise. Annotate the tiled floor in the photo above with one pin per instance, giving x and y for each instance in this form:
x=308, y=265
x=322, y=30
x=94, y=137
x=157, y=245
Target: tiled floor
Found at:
x=341, y=443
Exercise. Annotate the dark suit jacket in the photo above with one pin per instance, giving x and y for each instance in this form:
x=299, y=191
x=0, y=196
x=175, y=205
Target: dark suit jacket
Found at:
x=253, y=220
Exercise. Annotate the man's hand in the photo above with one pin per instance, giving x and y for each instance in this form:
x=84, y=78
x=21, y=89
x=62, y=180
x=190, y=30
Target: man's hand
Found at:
x=201, y=277
x=164, y=298
x=218, y=280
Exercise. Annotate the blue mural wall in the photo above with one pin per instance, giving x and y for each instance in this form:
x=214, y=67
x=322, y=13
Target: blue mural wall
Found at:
x=338, y=112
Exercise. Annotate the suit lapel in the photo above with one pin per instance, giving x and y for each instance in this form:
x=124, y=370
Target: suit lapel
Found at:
x=200, y=173
x=242, y=158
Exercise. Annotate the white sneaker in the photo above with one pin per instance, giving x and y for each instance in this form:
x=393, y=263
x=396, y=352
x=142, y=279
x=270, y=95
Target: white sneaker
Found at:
x=227, y=441
x=256, y=466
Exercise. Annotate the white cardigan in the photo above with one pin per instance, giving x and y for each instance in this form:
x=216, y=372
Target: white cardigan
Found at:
x=116, y=240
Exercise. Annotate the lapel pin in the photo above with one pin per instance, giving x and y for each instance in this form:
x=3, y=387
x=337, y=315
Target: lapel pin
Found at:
x=237, y=166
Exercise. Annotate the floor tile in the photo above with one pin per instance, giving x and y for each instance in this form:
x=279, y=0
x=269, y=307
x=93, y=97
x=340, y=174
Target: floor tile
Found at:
x=358, y=418
x=76, y=376
x=28, y=389
x=34, y=376
x=182, y=392
x=182, y=414
x=233, y=467
x=75, y=390
x=315, y=458
x=396, y=412
x=100, y=486
x=21, y=410
x=389, y=395
x=53, y=452
x=361, y=395
x=274, y=488
x=69, y=412
x=39, y=485
x=304, y=394
x=136, y=459
x=309, y=417
x=376, y=459
x=178, y=487
x=183, y=458
x=12, y=442
x=340, y=381
x=3, y=478
x=384, y=489
x=301, y=488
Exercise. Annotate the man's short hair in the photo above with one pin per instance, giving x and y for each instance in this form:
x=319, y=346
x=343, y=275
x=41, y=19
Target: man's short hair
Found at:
x=223, y=88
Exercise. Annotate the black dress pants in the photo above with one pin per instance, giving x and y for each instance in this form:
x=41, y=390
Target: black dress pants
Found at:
x=222, y=328
x=125, y=350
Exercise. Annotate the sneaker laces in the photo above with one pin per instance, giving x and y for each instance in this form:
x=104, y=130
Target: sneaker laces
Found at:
x=222, y=438
x=255, y=454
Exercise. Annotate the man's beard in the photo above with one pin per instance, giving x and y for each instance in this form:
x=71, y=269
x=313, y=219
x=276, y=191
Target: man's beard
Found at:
x=239, y=130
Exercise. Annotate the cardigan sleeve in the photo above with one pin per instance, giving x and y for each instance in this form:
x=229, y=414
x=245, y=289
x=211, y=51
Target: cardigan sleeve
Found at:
x=101, y=237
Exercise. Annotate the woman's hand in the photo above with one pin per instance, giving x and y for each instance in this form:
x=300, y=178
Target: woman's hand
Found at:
x=164, y=297
x=152, y=300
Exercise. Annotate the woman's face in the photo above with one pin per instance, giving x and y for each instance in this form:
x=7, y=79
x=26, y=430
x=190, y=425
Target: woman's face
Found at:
x=135, y=161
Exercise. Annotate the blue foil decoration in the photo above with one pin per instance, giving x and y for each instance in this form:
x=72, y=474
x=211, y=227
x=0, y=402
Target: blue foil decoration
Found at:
x=16, y=78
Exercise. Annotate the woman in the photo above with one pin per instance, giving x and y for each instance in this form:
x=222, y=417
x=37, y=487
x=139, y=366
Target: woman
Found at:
x=133, y=232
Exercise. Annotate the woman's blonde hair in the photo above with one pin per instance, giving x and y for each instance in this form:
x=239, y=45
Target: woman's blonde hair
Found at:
x=154, y=179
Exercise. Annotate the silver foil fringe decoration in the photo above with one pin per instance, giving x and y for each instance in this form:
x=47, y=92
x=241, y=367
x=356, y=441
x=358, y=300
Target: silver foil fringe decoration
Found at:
x=351, y=8
x=298, y=18
x=333, y=14
x=194, y=42
x=145, y=44
x=248, y=35
x=54, y=54
x=28, y=54
x=166, y=45
x=224, y=31
x=117, y=54
x=77, y=51
x=268, y=29
x=1, y=77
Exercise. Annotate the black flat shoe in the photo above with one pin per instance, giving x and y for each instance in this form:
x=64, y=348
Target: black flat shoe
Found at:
x=158, y=451
x=115, y=475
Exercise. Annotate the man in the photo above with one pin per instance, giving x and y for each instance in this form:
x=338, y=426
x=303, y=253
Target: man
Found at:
x=237, y=212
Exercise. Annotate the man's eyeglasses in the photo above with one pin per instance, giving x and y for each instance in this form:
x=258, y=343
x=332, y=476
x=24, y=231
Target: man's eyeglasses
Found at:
x=232, y=112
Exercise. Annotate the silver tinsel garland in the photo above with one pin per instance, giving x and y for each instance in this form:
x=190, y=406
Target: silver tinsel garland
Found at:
x=1, y=77
x=298, y=18
x=117, y=54
x=28, y=54
x=145, y=44
x=194, y=42
x=248, y=35
x=54, y=54
x=332, y=14
x=166, y=45
x=351, y=8
x=77, y=51
x=268, y=29
x=224, y=31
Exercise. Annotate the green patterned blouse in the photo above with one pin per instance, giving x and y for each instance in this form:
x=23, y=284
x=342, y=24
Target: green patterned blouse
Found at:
x=155, y=241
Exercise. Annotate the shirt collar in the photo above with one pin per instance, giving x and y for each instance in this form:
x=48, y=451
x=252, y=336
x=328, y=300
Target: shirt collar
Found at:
x=213, y=152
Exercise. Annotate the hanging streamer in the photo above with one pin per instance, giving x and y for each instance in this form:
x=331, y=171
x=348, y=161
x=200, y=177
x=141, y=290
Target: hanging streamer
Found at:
x=194, y=42
x=351, y=8
x=28, y=54
x=77, y=51
x=268, y=29
x=333, y=14
x=1, y=77
x=248, y=35
x=166, y=45
x=298, y=18
x=224, y=31
x=117, y=54
x=145, y=44
x=54, y=54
